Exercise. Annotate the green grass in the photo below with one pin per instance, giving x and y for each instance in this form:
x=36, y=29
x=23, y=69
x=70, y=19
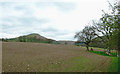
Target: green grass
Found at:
x=79, y=64
x=114, y=65
x=113, y=54
x=83, y=64
x=119, y=65
x=114, y=61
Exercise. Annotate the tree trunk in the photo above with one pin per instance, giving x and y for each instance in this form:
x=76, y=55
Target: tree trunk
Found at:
x=118, y=53
x=87, y=48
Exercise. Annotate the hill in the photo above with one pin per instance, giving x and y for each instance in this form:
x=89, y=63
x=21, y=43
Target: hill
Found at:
x=34, y=37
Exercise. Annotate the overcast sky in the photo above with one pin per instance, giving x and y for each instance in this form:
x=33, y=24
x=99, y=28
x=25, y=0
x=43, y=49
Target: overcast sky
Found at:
x=55, y=20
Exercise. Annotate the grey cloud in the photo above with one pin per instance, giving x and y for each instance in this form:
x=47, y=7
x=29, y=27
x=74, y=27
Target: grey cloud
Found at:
x=5, y=4
x=25, y=23
x=24, y=20
x=54, y=32
x=18, y=7
x=62, y=6
x=49, y=29
x=30, y=24
x=65, y=6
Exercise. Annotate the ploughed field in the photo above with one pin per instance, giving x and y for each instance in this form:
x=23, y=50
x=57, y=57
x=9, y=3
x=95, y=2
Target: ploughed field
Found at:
x=39, y=57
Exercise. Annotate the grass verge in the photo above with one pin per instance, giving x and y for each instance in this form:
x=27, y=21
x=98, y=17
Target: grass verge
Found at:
x=114, y=61
x=114, y=65
x=113, y=54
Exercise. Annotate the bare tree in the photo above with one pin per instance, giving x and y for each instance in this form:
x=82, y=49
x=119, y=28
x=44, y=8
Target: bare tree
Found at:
x=86, y=35
x=108, y=25
x=105, y=30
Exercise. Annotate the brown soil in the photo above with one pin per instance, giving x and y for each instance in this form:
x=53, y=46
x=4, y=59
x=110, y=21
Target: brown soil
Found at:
x=24, y=57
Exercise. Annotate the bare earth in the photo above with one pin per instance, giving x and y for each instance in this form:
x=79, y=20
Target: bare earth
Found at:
x=39, y=57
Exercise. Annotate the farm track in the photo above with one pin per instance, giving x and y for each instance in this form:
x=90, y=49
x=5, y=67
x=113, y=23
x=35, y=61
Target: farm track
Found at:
x=39, y=57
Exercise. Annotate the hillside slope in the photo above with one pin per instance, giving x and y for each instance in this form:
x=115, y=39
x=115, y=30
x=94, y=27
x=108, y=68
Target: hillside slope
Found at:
x=34, y=37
